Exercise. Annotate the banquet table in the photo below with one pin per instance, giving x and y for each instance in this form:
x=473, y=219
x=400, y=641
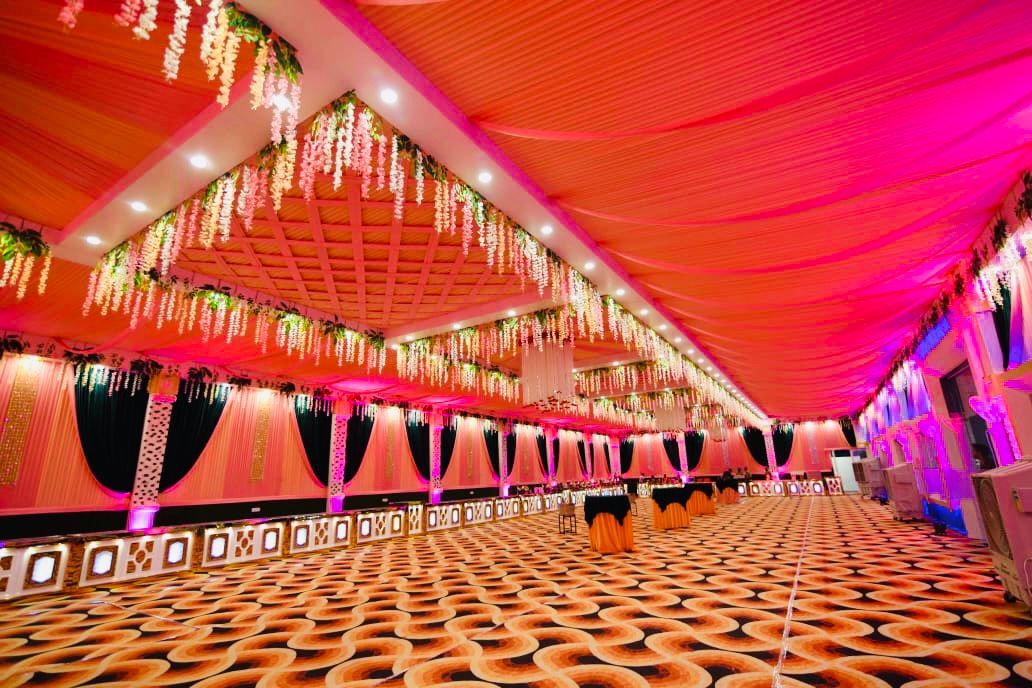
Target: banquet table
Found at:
x=727, y=490
x=670, y=508
x=610, y=527
x=701, y=498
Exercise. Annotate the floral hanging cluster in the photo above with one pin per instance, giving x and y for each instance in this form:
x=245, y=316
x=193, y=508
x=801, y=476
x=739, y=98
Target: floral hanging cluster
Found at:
x=684, y=398
x=222, y=316
x=1000, y=272
x=22, y=251
x=416, y=363
x=275, y=80
x=609, y=411
x=703, y=389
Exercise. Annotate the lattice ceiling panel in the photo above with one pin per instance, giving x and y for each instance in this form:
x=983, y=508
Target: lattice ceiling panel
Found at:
x=346, y=256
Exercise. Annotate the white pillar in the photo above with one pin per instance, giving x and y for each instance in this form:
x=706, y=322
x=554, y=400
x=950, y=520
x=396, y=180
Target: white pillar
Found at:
x=143, y=501
x=772, y=459
x=342, y=410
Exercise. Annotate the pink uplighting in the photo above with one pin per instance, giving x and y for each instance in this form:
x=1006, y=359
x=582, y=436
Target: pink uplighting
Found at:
x=142, y=517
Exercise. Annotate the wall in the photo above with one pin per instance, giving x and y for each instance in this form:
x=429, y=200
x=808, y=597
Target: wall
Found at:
x=470, y=464
x=809, y=448
x=52, y=474
x=227, y=469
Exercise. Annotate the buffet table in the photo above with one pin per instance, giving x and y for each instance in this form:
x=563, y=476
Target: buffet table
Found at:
x=670, y=507
x=610, y=526
x=727, y=490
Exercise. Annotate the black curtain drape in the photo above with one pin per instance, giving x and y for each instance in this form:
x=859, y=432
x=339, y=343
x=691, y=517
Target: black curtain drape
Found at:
x=1001, y=322
x=110, y=431
x=605, y=450
x=491, y=440
x=447, y=447
x=315, y=426
x=670, y=447
x=783, y=437
x=848, y=430
x=626, y=455
x=693, y=444
x=192, y=423
x=582, y=457
x=510, y=451
x=360, y=429
x=757, y=447
x=542, y=447
x=555, y=453
x=419, y=443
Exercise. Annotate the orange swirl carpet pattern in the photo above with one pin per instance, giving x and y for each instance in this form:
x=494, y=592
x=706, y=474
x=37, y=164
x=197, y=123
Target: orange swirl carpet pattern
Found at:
x=874, y=603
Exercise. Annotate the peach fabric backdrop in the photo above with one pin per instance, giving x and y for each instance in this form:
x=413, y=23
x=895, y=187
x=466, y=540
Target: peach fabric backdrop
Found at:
x=824, y=435
x=528, y=461
x=54, y=474
x=470, y=465
x=222, y=473
x=378, y=475
x=569, y=469
x=601, y=465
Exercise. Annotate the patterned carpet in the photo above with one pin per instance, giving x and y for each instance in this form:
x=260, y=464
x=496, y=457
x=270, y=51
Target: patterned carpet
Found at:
x=875, y=603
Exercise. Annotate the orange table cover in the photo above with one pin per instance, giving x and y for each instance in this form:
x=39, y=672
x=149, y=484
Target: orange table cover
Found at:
x=674, y=516
x=699, y=504
x=608, y=535
x=729, y=495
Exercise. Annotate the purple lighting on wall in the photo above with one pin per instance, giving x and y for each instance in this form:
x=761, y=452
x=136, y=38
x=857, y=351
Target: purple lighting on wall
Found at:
x=142, y=517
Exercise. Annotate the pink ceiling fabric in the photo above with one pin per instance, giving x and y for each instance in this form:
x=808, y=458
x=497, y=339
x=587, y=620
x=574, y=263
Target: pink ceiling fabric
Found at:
x=793, y=181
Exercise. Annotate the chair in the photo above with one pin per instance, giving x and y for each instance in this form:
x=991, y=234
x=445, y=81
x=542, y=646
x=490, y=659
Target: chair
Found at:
x=567, y=518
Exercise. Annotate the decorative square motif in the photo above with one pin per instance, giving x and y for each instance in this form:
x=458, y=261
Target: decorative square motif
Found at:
x=42, y=569
x=101, y=562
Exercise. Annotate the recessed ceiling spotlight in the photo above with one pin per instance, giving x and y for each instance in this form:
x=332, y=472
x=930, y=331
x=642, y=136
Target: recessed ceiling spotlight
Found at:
x=590, y=265
x=710, y=368
x=546, y=229
x=389, y=96
x=677, y=340
x=484, y=177
x=456, y=326
x=200, y=161
x=395, y=347
x=511, y=313
x=408, y=338
x=138, y=206
x=700, y=360
x=621, y=291
x=281, y=102
x=662, y=326
x=93, y=240
x=616, y=363
x=691, y=351
x=575, y=370
x=643, y=311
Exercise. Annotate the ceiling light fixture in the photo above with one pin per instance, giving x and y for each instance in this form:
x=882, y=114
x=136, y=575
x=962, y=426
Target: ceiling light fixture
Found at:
x=511, y=313
x=590, y=265
x=484, y=177
x=93, y=240
x=456, y=326
x=621, y=291
x=200, y=161
x=677, y=340
x=616, y=363
x=281, y=102
x=138, y=206
x=546, y=229
x=643, y=311
x=389, y=96
x=662, y=326
x=408, y=338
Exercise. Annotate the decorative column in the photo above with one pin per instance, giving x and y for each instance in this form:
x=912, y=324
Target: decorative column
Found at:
x=342, y=410
x=994, y=411
x=682, y=455
x=143, y=501
x=503, y=466
x=436, y=425
x=553, y=460
x=588, y=458
x=772, y=459
x=614, y=456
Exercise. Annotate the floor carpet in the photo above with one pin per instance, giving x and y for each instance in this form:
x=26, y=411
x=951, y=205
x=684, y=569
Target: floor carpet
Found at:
x=873, y=602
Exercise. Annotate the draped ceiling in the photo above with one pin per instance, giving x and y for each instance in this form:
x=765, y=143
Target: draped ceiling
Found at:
x=791, y=181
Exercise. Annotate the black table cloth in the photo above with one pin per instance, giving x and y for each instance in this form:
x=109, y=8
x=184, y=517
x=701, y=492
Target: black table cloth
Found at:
x=724, y=483
x=617, y=505
x=705, y=488
x=665, y=496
